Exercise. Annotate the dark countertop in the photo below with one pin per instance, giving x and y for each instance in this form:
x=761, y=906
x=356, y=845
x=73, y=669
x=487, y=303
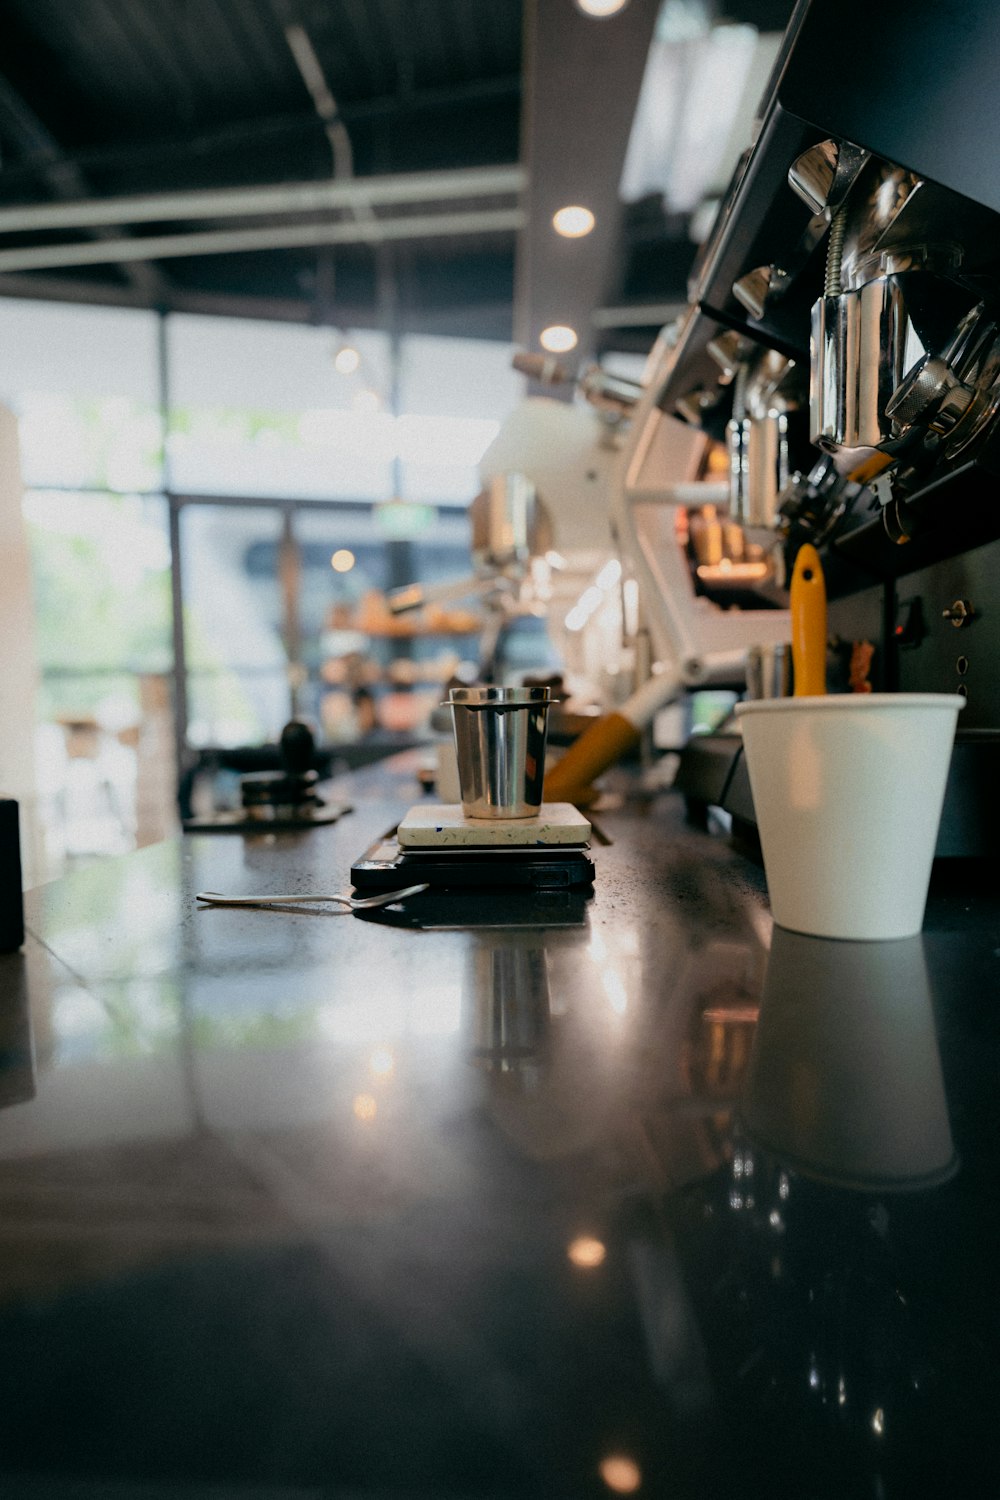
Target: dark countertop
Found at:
x=300, y=1205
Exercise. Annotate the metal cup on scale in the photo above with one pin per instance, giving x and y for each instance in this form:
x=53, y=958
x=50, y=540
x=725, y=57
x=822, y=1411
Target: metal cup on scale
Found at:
x=500, y=741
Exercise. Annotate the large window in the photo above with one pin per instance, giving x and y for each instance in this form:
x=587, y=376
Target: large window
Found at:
x=141, y=441
x=83, y=382
x=261, y=409
x=454, y=393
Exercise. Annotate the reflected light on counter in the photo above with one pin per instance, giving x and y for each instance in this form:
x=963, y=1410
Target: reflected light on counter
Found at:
x=615, y=990
x=621, y=1474
x=558, y=338
x=342, y=560
x=365, y=1107
x=573, y=221
x=382, y=1062
x=586, y=1252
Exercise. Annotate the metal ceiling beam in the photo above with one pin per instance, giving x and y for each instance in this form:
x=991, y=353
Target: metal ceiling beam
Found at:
x=276, y=199
x=490, y=319
x=637, y=315
x=279, y=237
x=63, y=178
x=261, y=133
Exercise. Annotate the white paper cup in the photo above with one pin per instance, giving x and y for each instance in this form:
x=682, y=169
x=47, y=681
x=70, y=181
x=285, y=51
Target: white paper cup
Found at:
x=847, y=793
x=844, y=1083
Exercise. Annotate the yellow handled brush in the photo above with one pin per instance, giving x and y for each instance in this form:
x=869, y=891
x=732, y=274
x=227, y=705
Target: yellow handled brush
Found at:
x=808, y=607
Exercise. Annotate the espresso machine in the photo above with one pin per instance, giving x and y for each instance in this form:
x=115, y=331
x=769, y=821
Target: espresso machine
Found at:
x=843, y=339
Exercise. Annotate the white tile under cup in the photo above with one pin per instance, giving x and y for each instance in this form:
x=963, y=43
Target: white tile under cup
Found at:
x=847, y=792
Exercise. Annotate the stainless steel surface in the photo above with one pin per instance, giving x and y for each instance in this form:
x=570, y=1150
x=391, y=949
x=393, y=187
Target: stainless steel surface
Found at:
x=833, y=278
x=959, y=613
x=506, y=1001
x=765, y=471
x=753, y=290
x=823, y=174
x=615, y=395
x=811, y=175
x=509, y=524
x=815, y=504
x=863, y=342
x=956, y=393
x=500, y=741
x=884, y=224
x=340, y=898
x=730, y=350
x=769, y=671
x=933, y=391
x=768, y=387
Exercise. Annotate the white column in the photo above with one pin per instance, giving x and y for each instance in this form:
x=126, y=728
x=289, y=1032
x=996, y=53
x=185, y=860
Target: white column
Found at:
x=18, y=660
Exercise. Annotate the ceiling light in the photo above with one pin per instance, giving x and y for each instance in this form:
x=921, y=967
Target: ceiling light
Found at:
x=342, y=560
x=365, y=401
x=573, y=221
x=346, y=360
x=586, y=1252
x=601, y=8
x=558, y=339
x=621, y=1474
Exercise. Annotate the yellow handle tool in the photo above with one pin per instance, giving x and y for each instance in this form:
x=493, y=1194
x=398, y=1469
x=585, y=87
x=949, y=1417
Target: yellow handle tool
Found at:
x=808, y=606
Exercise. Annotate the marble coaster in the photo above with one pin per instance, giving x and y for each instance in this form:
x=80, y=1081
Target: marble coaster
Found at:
x=444, y=826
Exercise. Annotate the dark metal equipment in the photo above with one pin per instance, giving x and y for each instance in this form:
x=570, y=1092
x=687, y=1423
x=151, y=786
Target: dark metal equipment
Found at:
x=845, y=327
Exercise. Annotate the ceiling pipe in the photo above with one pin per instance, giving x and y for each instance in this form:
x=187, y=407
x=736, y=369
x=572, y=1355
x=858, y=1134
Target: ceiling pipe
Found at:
x=315, y=80
x=639, y=315
x=278, y=198
x=276, y=237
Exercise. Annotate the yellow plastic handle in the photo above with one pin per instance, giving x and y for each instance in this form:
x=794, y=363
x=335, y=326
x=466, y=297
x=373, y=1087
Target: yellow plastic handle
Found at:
x=600, y=745
x=808, y=605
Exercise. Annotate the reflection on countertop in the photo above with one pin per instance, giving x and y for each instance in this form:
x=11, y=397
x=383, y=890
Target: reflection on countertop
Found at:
x=301, y=1200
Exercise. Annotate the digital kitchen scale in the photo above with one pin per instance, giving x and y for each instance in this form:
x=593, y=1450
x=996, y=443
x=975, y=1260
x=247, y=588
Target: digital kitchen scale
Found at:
x=439, y=845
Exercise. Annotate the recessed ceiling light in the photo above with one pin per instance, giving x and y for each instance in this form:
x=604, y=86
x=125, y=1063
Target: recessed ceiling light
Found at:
x=573, y=221
x=601, y=8
x=558, y=339
x=621, y=1474
x=342, y=560
x=586, y=1252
